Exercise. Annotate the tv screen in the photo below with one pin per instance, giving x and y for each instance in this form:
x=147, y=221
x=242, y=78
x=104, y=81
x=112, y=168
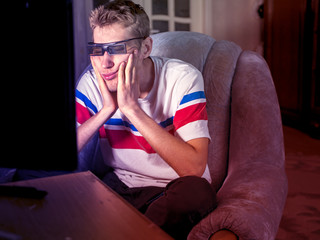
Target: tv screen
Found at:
x=37, y=86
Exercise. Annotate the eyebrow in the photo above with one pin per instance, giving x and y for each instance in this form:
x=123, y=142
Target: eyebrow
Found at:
x=127, y=40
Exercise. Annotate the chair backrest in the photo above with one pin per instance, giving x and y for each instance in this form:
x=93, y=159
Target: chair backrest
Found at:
x=187, y=46
x=217, y=61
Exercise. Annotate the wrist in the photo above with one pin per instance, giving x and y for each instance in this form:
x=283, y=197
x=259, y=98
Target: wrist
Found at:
x=131, y=111
x=108, y=110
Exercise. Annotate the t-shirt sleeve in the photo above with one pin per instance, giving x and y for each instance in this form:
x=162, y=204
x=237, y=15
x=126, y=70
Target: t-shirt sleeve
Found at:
x=88, y=99
x=85, y=92
x=83, y=104
x=191, y=119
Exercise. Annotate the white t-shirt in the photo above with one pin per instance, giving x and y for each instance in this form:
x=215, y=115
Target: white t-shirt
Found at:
x=176, y=102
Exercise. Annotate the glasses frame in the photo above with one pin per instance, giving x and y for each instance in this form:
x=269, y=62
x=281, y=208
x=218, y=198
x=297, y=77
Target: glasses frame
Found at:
x=105, y=47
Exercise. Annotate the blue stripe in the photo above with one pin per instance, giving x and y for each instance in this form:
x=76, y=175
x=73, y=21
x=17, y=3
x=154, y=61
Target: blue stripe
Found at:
x=86, y=101
x=120, y=122
x=166, y=123
x=116, y=122
x=133, y=128
x=192, y=96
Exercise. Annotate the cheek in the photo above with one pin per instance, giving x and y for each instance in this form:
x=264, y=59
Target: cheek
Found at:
x=122, y=58
x=118, y=59
x=98, y=61
x=112, y=61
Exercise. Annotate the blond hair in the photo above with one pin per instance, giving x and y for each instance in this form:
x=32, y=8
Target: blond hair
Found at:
x=125, y=12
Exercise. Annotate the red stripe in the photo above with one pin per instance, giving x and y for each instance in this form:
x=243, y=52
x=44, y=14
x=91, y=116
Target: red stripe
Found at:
x=82, y=113
x=190, y=114
x=102, y=132
x=123, y=139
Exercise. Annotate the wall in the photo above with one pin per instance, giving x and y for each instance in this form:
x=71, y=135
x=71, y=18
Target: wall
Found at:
x=81, y=34
x=237, y=21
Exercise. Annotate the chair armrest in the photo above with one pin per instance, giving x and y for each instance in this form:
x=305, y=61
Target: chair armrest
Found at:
x=252, y=197
x=250, y=204
x=224, y=235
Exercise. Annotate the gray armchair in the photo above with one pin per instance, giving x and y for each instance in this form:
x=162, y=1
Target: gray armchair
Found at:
x=246, y=156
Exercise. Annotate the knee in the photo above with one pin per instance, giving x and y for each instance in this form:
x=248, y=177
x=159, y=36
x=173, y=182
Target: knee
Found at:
x=191, y=193
x=185, y=202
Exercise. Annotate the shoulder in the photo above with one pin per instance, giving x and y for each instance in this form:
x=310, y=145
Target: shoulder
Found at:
x=87, y=89
x=87, y=77
x=87, y=83
x=175, y=65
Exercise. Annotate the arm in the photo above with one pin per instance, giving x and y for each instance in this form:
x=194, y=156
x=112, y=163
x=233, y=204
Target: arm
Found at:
x=92, y=125
x=186, y=158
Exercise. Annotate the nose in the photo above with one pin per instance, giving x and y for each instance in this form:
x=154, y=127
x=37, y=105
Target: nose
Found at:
x=107, y=61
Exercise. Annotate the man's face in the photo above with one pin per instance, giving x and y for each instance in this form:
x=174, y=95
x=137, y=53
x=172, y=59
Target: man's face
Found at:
x=108, y=65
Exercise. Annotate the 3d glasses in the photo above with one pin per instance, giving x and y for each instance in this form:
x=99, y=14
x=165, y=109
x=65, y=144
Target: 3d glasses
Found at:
x=98, y=49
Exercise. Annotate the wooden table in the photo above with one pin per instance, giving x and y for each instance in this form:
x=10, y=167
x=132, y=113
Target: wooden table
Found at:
x=77, y=206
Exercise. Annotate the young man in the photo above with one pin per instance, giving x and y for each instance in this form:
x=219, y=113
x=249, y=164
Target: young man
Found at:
x=151, y=118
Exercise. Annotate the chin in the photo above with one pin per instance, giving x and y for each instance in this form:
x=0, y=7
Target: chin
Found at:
x=112, y=85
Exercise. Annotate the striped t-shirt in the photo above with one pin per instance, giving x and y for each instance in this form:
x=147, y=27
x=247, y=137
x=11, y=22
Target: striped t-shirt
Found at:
x=176, y=102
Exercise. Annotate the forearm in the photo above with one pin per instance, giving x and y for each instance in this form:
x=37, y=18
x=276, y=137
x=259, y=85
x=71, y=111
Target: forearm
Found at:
x=91, y=126
x=186, y=158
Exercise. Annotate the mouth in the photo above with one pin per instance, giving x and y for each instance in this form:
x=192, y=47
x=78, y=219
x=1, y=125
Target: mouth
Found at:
x=109, y=76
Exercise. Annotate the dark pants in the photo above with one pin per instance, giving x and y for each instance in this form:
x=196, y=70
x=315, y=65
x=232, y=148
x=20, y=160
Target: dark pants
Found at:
x=176, y=208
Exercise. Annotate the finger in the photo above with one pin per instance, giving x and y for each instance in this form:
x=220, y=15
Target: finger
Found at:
x=128, y=70
x=133, y=61
x=137, y=63
x=121, y=75
x=95, y=68
x=101, y=82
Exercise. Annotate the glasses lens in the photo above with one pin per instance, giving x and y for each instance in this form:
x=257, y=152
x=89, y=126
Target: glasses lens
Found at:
x=98, y=50
x=117, y=49
x=95, y=50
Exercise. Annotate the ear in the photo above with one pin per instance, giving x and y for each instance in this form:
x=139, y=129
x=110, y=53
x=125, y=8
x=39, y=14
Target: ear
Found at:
x=146, y=47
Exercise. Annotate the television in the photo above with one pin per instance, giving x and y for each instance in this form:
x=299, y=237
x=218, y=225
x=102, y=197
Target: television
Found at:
x=37, y=86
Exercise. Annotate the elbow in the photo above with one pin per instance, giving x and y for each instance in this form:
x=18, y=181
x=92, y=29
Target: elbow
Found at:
x=197, y=171
x=195, y=162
